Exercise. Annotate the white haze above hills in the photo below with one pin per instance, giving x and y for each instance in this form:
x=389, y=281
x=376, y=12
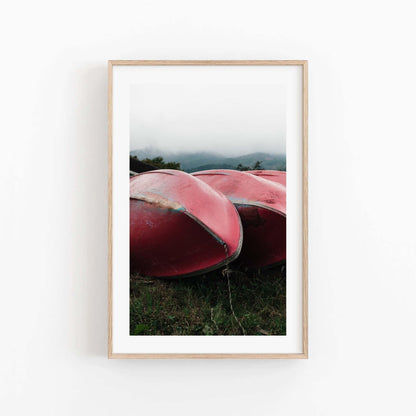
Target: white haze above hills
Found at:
x=205, y=112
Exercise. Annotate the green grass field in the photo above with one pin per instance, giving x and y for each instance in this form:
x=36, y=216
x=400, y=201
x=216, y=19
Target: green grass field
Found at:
x=201, y=305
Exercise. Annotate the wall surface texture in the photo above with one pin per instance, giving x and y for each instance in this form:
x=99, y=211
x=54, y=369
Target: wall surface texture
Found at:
x=53, y=205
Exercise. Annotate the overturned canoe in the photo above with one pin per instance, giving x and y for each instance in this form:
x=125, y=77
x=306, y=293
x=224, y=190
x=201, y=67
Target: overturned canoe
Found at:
x=262, y=208
x=180, y=226
x=277, y=176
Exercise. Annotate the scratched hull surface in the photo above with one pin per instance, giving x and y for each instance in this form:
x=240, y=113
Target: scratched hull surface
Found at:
x=180, y=226
x=262, y=208
x=277, y=176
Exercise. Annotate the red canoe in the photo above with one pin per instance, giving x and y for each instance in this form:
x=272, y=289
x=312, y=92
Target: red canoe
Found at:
x=262, y=208
x=180, y=226
x=277, y=176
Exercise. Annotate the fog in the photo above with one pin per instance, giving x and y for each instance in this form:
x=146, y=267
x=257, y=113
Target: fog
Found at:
x=228, y=119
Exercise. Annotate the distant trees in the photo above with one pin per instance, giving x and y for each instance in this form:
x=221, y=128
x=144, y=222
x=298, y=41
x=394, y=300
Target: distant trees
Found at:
x=241, y=167
x=256, y=166
x=158, y=162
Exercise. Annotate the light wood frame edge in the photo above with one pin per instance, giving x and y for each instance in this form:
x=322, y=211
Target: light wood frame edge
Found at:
x=304, y=354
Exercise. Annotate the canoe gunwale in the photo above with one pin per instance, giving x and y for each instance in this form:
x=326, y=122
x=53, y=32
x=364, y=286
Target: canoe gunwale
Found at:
x=257, y=204
x=206, y=270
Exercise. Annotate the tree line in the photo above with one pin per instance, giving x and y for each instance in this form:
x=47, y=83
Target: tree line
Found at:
x=159, y=162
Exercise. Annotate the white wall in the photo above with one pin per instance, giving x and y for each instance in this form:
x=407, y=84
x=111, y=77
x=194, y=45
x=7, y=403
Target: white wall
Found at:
x=54, y=204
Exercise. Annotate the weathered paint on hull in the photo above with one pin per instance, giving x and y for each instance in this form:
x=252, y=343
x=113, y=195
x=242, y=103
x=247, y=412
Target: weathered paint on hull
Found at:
x=262, y=208
x=180, y=226
x=277, y=176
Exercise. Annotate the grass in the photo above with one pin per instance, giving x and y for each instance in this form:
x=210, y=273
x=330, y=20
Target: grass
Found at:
x=200, y=305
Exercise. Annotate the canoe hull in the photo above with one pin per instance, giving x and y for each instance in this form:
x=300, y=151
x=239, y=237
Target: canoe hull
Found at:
x=264, y=237
x=261, y=205
x=173, y=229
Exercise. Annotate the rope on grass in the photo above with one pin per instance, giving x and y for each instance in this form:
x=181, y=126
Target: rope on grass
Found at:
x=226, y=273
x=212, y=318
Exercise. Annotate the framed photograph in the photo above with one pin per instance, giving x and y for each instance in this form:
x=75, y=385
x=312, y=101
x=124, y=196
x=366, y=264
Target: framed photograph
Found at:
x=208, y=209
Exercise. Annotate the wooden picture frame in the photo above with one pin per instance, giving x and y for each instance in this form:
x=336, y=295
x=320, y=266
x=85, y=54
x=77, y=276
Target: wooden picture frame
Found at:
x=303, y=64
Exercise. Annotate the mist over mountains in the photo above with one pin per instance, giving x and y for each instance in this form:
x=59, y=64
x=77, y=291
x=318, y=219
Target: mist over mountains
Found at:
x=195, y=161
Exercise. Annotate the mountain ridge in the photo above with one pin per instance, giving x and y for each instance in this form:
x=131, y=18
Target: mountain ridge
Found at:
x=195, y=161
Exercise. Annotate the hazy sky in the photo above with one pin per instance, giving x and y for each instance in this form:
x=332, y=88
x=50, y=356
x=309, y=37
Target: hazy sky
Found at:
x=228, y=119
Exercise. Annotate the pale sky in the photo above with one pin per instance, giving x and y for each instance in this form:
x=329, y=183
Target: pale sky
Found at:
x=228, y=119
